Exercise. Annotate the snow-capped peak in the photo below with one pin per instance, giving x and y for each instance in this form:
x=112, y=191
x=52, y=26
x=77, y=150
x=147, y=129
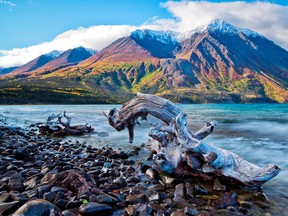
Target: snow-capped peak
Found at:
x=91, y=51
x=161, y=36
x=220, y=26
x=54, y=53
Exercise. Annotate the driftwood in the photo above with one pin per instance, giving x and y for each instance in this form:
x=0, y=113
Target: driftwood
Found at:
x=60, y=128
x=180, y=151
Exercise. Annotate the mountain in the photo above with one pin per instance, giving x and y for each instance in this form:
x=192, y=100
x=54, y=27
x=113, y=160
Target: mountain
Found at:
x=218, y=63
x=4, y=71
x=35, y=63
x=141, y=45
x=68, y=58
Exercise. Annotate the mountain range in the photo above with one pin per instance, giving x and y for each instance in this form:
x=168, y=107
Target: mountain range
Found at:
x=217, y=63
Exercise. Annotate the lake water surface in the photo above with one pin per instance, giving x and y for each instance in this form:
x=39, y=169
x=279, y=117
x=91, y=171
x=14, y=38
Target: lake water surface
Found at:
x=257, y=132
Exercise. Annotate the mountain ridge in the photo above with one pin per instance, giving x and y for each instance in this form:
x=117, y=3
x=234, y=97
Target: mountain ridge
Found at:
x=217, y=63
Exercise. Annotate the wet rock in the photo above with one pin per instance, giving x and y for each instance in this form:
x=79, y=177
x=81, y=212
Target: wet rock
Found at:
x=260, y=196
x=31, y=182
x=7, y=208
x=190, y=211
x=61, y=203
x=226, y=199
x=43, y=189
x=58, y=196
x=167, y=179
x=9, y=173
x=197, y=201
x=143, y=209
x=92, y=209
x=119, y=212
x=218, y=186
x=208, y=208
x=106, y=199
x=4, y=187
x=200, y=189
x=49, y=196
x=227, y=212
x=180, y=202
x=157, y=188
x=144, y=168
x=16, y=196
x=168, y=201
x=151, y=173
x=120, y=181
x=73, y=204
x=74, y=180
x=38, y=207
x=154, y=197
x=68, y=212
x=178, y=213
x=5, y=197
x=190, y=191
x=157, y=207
x=179, y=190
x=130, y=210
x=15, y=182
x=133, y=179
x=138, y=198
x=246, y=204
x=57, y=189
x=20, y=153
x=31, y=193
x=12, y=167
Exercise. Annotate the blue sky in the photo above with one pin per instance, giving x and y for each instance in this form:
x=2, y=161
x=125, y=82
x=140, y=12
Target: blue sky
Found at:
x=31, y=27
x=33, y=21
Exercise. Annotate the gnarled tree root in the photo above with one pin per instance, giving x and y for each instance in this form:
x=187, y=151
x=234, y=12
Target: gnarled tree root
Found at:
x=177, y=145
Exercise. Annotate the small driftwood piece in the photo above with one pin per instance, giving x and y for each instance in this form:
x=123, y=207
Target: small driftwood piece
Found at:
x=180, y=151
x=62, y=128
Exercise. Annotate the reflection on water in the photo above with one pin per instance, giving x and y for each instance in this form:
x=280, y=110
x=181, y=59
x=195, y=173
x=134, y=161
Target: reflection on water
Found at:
x=257, y=132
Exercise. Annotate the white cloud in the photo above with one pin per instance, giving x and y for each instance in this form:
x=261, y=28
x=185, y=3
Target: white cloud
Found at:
x=266, y=18
x=96, y=37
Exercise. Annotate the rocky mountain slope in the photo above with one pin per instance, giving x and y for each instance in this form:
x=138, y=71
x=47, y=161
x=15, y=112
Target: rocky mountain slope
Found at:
x=35, y=63
x=214, y=63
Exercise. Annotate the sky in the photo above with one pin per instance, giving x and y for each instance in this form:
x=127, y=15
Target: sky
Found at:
x=30, y=28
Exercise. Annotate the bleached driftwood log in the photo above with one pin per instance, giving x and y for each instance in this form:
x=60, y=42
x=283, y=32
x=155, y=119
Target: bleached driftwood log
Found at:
x=180, y=150
x=60, y=128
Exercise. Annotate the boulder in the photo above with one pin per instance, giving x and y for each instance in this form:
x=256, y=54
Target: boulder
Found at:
x=38, y=207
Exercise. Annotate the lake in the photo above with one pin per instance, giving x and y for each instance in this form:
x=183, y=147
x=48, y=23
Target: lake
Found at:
x=257, y=132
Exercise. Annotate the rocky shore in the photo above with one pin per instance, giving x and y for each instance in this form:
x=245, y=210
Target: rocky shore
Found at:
x=40, y=175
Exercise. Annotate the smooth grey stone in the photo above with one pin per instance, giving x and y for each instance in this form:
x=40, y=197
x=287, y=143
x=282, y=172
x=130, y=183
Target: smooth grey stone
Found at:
x=92, y=209
x=38, y=207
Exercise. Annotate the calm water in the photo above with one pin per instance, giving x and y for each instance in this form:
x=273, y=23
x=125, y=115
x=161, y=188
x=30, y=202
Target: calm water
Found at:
x=257, y=132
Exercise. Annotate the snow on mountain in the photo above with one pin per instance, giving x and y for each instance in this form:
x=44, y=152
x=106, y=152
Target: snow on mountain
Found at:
x=161, y=36
x=54, y=53
x=220, y=26
x=91, y=51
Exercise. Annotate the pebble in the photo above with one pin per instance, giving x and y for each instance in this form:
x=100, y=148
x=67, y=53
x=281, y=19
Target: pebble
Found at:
x=38, y=207
x=6, y=207
x=15, y=182
x=226, y=199
x=138, y=198
x=179, y=190
x=92, y=209
x=73, y=180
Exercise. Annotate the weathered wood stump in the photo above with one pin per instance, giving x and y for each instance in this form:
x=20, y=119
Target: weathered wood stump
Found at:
x=180, y=151
x=60, y=128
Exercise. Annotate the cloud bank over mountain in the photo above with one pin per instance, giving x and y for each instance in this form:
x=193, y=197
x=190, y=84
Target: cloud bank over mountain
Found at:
x=266, y=18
